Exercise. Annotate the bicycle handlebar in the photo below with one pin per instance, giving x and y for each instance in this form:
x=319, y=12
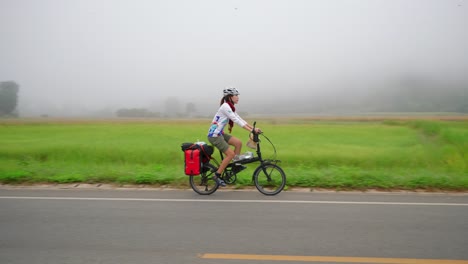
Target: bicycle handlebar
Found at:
x=255, y=135
x=256, y=139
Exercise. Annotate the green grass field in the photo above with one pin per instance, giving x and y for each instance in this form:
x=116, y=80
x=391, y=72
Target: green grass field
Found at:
x=339, y=154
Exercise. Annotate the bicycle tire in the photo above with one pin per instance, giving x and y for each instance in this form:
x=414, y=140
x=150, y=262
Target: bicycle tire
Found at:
x=272, y=182
x=204, y=184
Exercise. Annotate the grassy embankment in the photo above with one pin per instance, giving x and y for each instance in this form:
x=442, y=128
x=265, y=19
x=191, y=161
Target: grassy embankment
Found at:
x=345, y=154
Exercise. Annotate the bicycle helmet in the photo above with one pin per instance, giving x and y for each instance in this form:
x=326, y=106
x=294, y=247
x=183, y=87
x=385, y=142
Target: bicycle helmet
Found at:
x=230, y=91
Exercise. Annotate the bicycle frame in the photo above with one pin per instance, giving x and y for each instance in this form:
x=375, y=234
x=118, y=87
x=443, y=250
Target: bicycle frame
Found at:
x=258, y=158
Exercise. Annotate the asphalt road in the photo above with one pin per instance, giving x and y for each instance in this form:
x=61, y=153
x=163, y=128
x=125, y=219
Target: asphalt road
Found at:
x=56, y=226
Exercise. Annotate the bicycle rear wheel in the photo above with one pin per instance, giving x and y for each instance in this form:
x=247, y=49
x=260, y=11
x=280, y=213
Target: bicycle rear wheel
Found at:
x=269, y=179
x=204, y=184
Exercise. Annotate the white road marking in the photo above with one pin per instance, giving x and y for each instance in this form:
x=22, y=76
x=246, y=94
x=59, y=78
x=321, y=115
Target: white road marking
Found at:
x=226, y=201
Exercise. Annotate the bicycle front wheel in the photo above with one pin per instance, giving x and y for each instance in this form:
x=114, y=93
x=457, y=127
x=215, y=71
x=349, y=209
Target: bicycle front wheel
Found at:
x=204, y=184
x=269, y=179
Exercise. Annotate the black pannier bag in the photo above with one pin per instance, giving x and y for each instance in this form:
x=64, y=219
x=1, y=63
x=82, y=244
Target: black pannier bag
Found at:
x=195, y=155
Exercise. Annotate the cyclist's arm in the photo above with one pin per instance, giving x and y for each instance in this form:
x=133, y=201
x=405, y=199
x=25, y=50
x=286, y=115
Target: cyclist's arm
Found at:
x=237, y=119
x=250, y=128
x=246, y=125
x=232, y=115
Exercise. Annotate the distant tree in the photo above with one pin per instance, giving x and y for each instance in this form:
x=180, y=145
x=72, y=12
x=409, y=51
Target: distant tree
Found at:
x=172, y=107
x=463, y=107
x=8, y=97
x=135, y=112
x=190, y=109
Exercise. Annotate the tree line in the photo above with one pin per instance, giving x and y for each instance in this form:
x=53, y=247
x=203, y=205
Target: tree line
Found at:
x=410, y=95
x=8, y=98
x=172, y=109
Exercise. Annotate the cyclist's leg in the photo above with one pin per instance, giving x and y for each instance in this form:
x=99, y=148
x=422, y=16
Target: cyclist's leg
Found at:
x=221, y=143
x=228, y=156
x=237, y=143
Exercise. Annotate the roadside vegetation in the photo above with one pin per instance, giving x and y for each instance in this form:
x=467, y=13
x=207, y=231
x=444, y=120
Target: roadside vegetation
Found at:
x=339, y=154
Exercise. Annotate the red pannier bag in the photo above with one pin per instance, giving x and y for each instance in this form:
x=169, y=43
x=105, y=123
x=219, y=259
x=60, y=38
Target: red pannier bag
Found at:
x=192, y=162
x=195, y=155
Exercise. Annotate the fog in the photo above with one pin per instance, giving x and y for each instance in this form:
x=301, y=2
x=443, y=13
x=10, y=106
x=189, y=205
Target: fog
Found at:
x=92, y=57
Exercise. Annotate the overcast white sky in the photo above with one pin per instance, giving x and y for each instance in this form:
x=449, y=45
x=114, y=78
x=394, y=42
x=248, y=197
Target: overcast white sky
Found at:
x=134, y=53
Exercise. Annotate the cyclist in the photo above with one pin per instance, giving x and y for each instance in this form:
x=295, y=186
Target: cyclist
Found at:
x=227, y=115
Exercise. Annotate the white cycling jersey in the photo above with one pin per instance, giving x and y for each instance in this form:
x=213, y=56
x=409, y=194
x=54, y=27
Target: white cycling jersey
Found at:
x=221, y=119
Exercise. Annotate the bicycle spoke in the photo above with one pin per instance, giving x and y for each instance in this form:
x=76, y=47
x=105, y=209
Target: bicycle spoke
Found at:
x=270, y=179
x=203, y=184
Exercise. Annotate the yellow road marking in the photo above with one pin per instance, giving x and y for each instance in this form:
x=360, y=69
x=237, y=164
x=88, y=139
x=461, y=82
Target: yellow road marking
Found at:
x=332, y=259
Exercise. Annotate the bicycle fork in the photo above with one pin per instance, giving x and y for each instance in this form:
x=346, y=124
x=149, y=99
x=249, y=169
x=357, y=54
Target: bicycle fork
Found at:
x=265, y=171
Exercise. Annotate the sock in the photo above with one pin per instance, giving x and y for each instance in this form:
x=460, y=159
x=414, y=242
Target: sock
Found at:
x=217, y=175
